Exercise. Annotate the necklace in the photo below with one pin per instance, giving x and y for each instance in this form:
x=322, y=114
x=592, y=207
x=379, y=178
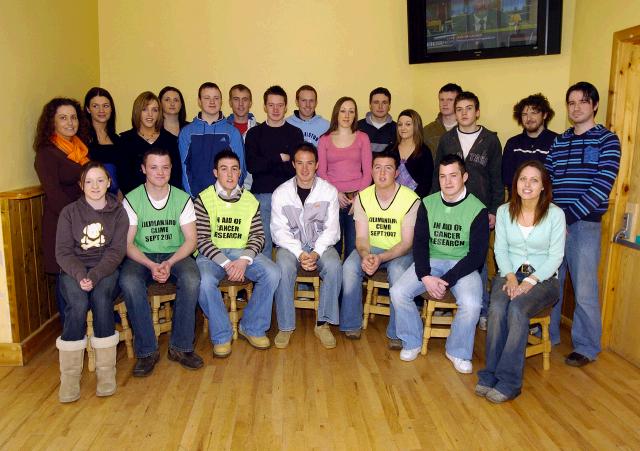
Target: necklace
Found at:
x=149, y=138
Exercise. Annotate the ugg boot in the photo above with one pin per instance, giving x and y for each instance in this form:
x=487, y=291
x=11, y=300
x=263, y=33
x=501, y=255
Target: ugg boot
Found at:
x=71, y=360
x=106, y=363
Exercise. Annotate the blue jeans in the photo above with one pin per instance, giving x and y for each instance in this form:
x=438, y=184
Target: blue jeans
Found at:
x=347, y=233
x=467, y=292
x=265, y=215
x=256, y=316
x=507, y=332
x=134, y=279
x=331, y=274
x=484, y=276
x=352, y=276
x=61, y=304
x=99, y=300
x=581, y=259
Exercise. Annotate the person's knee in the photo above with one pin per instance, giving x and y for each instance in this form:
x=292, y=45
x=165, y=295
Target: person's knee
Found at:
x=190, y=279
x=399, y=298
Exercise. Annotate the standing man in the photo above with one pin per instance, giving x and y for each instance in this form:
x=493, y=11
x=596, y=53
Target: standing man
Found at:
x=160, y=241
x=482, y=153
x=385, y=215
x=532, y=113
x=230, y=238
x=203, y=138
x=378, y=124
x=269, y=149
x=450, y=244
x=446, y=118
x=305, y=118
x=305, y=226
x=240, y=100
x=583, y=163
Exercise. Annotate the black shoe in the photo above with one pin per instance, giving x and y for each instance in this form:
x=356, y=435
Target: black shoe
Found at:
x=144, y=365
x=576, y=359
x=189, y=360
x=394, y=344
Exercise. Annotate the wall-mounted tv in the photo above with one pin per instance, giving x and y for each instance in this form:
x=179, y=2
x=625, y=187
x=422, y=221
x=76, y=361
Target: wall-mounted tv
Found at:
x=451, y=30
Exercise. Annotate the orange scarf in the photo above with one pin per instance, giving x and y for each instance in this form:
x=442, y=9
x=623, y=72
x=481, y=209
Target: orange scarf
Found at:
x=75, y=149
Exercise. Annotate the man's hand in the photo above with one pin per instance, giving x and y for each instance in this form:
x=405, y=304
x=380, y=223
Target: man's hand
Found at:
x=436, y=287
x=285, y=157
x=371, y=263
x=235, y=269
x=492, y=221
x=86, y=284
x=343, y=200
x=162, y=271
x=309, y=260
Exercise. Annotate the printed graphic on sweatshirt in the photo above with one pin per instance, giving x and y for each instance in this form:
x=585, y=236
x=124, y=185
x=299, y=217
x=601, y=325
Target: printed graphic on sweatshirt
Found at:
x=447, y=234
x=92, y=236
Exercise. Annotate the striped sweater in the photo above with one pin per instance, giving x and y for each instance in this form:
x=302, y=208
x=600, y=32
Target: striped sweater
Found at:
x=203, y=227
x=583, y=169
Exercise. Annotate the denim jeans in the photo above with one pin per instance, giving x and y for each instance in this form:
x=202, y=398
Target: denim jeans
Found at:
x=347, y=233
x=507, y=332
x=265, y=215
x=330, y=271
x=484, y=276
x=78, y=302
x=352, y=277
x=467, y=292
x=581, y=259
x=256, y=316
x=134, y=279
x=61, y=303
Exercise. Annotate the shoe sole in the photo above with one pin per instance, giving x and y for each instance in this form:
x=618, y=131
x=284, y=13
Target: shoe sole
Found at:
x=262, y=348
x=221, y=356
x=192, y=368
x=149, y=372
x=409, y=360
x=352, y=336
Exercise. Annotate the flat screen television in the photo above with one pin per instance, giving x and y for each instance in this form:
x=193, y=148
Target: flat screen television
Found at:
x=451, y=30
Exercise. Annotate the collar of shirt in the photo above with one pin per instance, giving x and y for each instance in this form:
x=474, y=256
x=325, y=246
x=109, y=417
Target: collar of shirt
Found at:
x=222, y=193
x=458, y=199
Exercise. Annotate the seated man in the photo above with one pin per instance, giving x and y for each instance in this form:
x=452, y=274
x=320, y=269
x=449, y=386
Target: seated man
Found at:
x=230, y=238
x=305, y=226
x=450, y=244
x=160, y=241
x=385, y=214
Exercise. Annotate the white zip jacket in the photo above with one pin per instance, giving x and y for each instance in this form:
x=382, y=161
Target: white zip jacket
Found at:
x=314, y=225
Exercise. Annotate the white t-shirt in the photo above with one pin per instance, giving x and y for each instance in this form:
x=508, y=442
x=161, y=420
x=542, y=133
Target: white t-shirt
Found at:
x=467, y=140
x=187, y=216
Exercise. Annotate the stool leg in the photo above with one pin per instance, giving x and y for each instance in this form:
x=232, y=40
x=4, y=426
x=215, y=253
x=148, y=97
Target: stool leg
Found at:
x=126, y=330
x=316, y=294
x=426, y=334
x=367, y=304
x=233, y=310
x=155, y=314
x=91, y=353
x=546, y=340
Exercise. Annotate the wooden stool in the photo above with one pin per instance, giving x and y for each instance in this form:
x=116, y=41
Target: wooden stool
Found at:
x=229, y=291
x=442, y=323
x=307, y=299
x=541, y=345
x=371, y=303
x=123, y=329
x=160, y=295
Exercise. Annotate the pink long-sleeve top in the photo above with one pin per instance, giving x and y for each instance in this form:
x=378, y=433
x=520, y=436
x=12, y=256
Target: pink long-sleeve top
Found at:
x=346, y=168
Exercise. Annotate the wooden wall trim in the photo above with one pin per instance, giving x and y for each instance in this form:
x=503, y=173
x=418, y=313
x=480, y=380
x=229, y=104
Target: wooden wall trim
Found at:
x=22, y=193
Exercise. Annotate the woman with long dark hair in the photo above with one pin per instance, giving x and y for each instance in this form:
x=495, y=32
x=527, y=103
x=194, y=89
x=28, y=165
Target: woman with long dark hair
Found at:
x=344, y=160
x=173, y=109
x=529, y=247
x=103, y=139
x=61, y=151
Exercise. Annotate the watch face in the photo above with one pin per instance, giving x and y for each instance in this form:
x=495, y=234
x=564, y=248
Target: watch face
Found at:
x=527, y=269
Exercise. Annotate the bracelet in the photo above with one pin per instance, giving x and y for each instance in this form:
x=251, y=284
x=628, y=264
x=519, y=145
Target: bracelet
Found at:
x=530, y=280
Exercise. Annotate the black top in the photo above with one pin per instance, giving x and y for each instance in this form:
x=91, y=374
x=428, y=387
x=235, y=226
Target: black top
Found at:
x=263, y=147
x=521, y=148
x=420, y=168
x=111, y=156
x=303, y=193
x=133, y=146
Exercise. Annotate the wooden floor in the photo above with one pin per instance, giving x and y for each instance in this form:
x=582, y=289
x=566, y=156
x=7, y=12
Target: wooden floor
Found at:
x=357, y=396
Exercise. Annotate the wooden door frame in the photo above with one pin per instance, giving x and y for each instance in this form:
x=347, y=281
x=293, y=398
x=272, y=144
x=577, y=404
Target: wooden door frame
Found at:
x=616, y=115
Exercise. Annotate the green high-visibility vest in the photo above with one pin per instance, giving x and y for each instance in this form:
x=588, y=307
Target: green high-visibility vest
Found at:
x=230, y=221
x=450, y=227
x=385, y=224
x=158, y=229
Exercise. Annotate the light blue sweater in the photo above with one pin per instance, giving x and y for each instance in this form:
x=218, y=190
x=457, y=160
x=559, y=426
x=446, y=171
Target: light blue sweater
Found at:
x=544, y=248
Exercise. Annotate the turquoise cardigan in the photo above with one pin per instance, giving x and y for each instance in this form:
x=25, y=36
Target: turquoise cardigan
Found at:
x=544, y=248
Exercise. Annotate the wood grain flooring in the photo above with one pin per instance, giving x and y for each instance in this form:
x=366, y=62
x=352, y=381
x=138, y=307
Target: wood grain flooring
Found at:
x=357, y=396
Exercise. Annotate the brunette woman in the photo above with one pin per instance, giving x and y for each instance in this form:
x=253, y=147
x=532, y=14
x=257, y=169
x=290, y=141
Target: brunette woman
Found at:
x=61, y=152
x=91, y=241
x=344, y=160
x=416, y=162
x=147, y=132
x=173, y=109
x=529, y=247
x=103, y=139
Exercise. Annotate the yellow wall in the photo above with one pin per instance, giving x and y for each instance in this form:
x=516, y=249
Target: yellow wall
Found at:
x=341, y=47
x=596, y=21
x=48, y=49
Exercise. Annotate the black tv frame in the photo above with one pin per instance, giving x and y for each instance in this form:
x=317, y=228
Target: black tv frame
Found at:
x=548, y=39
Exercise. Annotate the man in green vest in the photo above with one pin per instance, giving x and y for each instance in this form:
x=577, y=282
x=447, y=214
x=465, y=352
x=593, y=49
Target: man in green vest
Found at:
x=450, y=244
x=385, y=214
x=230, y=238
x=160, y=241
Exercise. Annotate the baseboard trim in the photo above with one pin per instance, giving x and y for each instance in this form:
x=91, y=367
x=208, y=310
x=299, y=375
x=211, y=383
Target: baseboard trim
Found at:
x=18, y=354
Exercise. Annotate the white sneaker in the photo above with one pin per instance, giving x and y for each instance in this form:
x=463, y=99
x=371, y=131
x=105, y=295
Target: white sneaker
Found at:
x=407, y=355
x=482, y=324
x=461, y=365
